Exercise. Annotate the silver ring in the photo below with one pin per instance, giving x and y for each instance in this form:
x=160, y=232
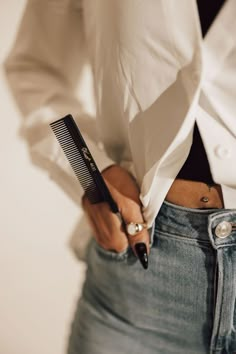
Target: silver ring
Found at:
x=133, y=228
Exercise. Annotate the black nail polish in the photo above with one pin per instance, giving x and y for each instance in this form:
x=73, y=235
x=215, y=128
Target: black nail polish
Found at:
x=141, y=251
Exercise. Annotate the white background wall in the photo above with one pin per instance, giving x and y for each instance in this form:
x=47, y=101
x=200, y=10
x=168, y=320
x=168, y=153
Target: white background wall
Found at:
x=40, y=279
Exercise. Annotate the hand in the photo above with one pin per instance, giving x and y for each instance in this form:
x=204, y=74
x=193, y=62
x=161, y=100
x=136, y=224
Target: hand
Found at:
x=108, y=230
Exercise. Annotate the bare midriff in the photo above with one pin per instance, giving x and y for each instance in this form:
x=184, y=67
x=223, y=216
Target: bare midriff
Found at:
x=194, y=194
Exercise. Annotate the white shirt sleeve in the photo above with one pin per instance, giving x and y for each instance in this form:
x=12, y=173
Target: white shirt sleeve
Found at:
x=44, y=69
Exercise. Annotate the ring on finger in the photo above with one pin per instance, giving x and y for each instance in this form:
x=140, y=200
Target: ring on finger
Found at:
x=133, y=228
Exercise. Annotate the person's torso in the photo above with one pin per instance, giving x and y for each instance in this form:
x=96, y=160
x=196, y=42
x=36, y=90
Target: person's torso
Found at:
x=154, y=79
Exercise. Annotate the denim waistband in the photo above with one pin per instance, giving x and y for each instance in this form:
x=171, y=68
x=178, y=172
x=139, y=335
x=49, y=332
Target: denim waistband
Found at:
x=190, y=222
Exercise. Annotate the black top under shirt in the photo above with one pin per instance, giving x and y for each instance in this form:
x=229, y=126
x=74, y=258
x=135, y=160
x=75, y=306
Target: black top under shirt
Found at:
x=196, y=167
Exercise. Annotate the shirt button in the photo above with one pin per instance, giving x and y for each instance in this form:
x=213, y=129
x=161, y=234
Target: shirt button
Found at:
x=222, y=152
x=223, y=229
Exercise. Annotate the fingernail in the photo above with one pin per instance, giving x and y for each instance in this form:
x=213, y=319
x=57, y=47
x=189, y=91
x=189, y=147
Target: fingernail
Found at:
x=141, y=251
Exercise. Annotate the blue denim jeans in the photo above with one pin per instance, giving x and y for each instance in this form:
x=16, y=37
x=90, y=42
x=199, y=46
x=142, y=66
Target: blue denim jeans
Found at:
x=183, y=304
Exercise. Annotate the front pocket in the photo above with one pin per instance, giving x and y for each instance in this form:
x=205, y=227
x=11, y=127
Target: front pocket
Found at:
x=112, y=255
x=120, y=256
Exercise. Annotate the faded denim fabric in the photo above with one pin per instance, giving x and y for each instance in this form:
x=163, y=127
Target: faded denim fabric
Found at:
x=183, y=304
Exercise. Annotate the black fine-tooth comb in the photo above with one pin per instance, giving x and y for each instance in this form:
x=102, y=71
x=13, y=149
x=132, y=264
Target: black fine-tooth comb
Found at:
x=82, y=162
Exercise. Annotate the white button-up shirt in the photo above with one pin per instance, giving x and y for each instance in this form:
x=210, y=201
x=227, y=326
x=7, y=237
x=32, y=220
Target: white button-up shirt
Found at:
x=152, y=76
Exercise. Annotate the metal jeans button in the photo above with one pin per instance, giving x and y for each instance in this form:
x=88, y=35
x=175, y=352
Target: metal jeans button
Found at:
x=223, y=229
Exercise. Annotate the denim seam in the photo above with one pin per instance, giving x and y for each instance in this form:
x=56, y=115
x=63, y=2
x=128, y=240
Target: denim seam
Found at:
x=216, y=348
x=214, y=218
x=193, y=210
x=185, y=239
x=226, y=244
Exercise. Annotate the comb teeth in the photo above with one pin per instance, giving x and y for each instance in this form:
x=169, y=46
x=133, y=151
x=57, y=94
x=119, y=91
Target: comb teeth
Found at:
x=77, y=160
